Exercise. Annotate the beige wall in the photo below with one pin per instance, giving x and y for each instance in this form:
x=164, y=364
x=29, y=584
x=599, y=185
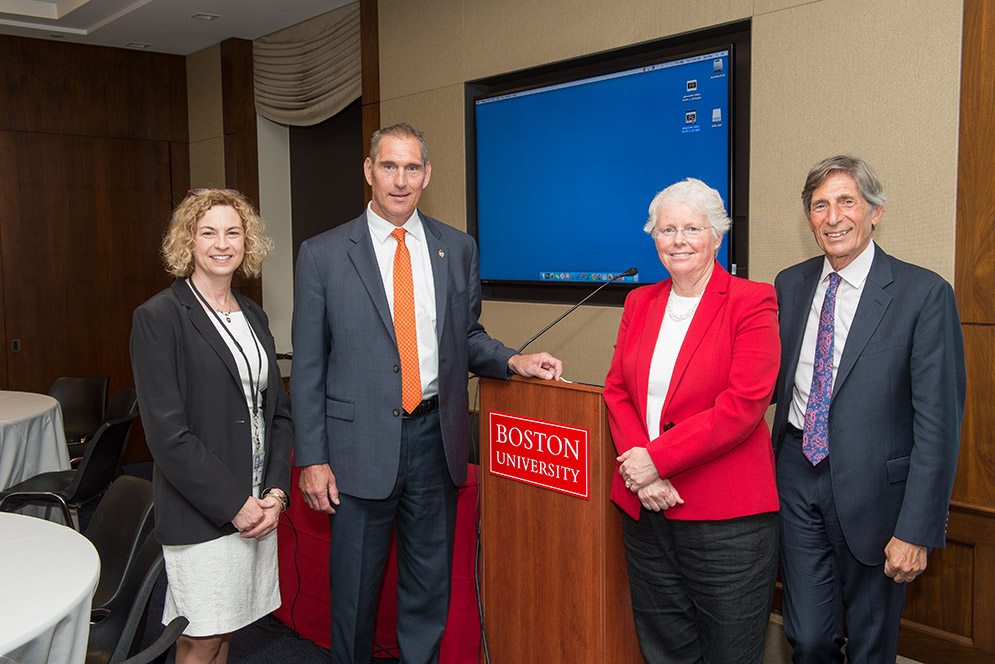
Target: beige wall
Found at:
x=879, y=79
x=273, y=141
x=206, y=119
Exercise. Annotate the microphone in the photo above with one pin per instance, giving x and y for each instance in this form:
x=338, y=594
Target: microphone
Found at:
x=631, y=272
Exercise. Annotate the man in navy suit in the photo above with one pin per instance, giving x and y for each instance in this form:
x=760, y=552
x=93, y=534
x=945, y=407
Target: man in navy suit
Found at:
x=870, y=400
x=382, y=427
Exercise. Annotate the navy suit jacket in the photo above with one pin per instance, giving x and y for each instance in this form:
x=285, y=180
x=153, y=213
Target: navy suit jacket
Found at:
x=897, y=404
x=196, y=419
x=346, y=380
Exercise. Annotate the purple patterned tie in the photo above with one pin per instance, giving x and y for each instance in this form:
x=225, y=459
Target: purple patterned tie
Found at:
x=815, y=438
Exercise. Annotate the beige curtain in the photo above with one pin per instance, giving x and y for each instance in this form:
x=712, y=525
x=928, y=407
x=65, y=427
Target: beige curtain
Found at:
x=308, y=72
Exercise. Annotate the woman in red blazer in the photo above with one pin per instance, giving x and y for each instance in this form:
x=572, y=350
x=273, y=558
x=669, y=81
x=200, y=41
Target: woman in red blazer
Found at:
x=695, y=364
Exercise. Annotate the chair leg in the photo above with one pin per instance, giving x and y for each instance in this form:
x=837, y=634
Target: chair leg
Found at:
x=67, y=514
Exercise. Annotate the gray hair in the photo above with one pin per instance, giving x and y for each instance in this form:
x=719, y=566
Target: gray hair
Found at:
x=699, y=197
x=399, y=130
x=867, y=180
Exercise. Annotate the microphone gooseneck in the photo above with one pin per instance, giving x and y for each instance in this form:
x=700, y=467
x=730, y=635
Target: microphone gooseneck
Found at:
x=631, y=272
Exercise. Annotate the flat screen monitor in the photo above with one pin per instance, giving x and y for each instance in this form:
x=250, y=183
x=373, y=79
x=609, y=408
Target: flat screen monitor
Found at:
x=564, y=171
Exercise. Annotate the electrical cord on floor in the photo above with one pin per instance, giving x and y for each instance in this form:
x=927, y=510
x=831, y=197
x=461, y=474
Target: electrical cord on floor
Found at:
x=380, y=652
x=475, y=442
x=297, y=569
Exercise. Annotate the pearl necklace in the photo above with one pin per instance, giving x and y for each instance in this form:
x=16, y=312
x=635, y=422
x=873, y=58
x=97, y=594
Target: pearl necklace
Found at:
x=676, y=317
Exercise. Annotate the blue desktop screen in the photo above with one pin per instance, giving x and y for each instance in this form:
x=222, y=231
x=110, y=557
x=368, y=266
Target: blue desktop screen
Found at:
x=566, y=173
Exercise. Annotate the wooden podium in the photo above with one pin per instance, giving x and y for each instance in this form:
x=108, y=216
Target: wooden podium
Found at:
x=555, y=586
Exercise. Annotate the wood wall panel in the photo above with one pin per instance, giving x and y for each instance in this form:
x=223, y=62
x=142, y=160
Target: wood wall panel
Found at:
x=81, y=220
x=950, y=610
x=975, y=262
x=975, y=483
x=93, y=145
x=950, y=575
x=62, y=88
x=948, y=618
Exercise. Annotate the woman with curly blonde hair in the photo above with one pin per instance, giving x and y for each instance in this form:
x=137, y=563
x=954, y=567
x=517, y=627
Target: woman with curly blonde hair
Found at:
x=217, y=422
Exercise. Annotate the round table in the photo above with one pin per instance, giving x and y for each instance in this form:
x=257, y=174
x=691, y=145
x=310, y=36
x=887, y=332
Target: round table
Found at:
x=48, y=575
x=32, y=439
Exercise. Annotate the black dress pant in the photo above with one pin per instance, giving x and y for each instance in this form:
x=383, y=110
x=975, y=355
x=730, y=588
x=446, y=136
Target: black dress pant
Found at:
x=702, y=591
x=423, y=507
x=824, y=586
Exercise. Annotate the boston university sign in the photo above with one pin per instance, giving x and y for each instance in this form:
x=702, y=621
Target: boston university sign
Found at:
x=544, y=454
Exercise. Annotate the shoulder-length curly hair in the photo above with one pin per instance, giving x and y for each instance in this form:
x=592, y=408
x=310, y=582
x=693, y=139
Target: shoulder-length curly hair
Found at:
x=177, y=245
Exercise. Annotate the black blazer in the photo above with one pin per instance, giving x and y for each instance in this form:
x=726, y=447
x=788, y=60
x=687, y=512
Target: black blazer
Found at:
x=196, y=419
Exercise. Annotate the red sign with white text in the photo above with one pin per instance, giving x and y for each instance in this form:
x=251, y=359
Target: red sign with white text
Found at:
x=544, y=454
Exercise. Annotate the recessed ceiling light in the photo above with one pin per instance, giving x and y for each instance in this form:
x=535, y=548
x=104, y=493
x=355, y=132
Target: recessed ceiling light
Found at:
x=205, y=17
x=137, y=45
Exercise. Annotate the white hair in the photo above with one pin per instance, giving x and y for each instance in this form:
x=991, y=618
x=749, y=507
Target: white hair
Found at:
x=699, y=197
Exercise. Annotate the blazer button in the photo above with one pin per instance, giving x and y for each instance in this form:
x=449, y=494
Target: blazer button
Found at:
x=667, y=426
x=396, y=412
x=396, y=368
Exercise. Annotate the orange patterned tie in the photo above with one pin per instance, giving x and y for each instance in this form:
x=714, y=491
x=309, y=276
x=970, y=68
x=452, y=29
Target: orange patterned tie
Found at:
x=404, y=324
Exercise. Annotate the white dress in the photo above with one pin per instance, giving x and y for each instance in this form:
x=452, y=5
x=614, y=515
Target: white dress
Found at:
x=227, y=583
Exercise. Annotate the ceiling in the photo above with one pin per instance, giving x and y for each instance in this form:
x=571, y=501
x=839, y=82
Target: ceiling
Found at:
x=163, y=26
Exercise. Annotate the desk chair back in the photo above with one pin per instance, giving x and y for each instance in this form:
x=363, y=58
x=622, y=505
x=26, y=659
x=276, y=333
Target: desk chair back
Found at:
x=113, y=636
x=83, y=400
x=121, y=522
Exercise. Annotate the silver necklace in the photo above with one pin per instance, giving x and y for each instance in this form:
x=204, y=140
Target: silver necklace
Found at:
x=676, y=317
x=226, y=314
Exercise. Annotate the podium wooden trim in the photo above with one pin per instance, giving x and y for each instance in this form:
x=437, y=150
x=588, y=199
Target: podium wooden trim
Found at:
x=554, y=581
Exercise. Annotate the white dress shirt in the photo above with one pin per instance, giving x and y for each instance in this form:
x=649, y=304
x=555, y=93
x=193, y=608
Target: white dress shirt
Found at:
x=852, y=279
x=421, y=274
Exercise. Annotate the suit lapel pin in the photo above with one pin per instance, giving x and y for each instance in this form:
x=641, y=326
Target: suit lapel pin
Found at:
x=442, y=254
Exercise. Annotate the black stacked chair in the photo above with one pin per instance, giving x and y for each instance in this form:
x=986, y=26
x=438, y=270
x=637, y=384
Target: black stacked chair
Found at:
x=116, y=629
x=159, y=649
x=120, y=524
x=72, y=488
x=83, y=400
x=123, y=403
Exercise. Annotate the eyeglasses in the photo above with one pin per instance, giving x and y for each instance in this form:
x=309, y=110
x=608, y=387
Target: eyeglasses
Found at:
x=207, y=190
x=690, y=232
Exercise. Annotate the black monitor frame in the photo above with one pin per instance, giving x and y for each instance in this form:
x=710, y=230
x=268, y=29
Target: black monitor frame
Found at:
x=735, y=36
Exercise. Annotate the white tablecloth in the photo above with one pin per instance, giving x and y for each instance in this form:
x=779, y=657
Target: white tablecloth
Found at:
x=48, y=573
x=32, y=439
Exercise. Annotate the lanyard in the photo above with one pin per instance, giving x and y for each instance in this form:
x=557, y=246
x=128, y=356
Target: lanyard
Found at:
x=254, y=387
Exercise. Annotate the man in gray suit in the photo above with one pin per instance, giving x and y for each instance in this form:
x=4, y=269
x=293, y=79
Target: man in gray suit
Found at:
x=870, y=400
x=385, y=331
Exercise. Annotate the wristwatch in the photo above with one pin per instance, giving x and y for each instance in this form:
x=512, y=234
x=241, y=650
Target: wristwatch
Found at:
x=284, y=499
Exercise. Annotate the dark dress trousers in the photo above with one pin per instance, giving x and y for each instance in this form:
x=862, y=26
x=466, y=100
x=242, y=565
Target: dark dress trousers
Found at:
x=196, y=419
x=894, y=432
x=346, y=387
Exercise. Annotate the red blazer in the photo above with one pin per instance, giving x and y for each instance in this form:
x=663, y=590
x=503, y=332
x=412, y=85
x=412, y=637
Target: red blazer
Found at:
x=718, y=454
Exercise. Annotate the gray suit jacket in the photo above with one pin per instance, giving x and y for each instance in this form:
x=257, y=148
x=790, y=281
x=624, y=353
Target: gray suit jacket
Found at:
x=346, y=380
x=897, y=405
